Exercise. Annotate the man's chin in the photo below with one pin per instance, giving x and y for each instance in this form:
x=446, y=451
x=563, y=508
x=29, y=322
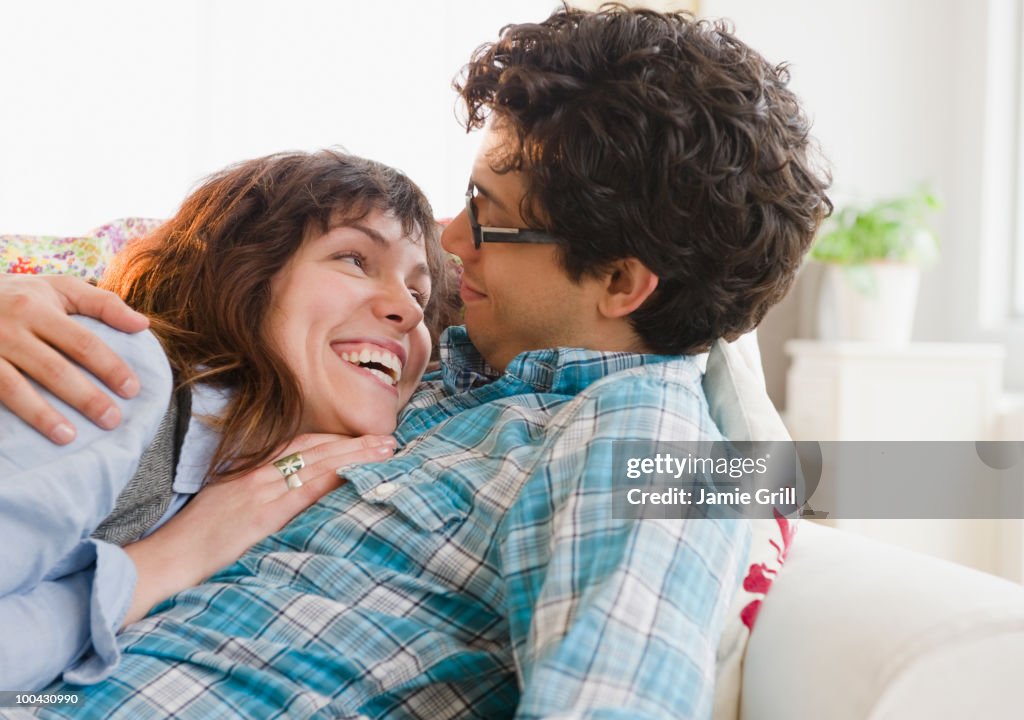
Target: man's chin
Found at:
x=480, y=342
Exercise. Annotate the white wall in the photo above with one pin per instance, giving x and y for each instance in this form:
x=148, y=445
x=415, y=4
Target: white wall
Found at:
x=875, y=76
x=895, y=90
x=114, y=108
x=902, y=91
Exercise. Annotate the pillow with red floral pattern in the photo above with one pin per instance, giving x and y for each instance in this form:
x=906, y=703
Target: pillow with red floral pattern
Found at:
x=741, y=408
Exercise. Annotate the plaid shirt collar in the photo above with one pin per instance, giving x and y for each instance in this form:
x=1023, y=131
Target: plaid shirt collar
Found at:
x=562, y=370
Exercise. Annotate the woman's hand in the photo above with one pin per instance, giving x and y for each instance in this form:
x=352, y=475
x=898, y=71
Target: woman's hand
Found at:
x=226, y=518
x=37, y=338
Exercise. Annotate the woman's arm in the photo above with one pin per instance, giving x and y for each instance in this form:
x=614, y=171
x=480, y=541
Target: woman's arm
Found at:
x=225, y=519
x=37, y=338
x=63, y=595
x=67, y=624
x=52, y=498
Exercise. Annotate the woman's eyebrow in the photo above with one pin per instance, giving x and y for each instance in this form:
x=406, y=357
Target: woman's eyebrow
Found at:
x=420, y=270
x=369, y=232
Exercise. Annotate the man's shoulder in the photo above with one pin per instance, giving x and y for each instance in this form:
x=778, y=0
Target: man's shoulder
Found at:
x=632, y=389
x=668, y=378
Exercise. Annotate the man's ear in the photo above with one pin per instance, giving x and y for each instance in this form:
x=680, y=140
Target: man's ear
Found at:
x=626, y=286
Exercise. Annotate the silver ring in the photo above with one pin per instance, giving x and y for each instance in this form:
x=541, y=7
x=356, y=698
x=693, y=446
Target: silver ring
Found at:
x=289, y=467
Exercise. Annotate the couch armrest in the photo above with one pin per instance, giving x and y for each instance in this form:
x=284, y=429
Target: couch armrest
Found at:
x=853, y=628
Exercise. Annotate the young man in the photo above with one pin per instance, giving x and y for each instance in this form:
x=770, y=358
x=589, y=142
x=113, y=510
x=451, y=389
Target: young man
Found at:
x=645, y=185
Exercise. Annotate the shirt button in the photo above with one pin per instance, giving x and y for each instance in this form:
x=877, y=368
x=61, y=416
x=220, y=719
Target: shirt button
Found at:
x=384, y=491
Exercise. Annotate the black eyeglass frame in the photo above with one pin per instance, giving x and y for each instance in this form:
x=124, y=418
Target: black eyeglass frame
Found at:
x=485, y=233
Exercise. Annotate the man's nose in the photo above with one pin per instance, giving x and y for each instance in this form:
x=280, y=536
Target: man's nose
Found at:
x=457, y=237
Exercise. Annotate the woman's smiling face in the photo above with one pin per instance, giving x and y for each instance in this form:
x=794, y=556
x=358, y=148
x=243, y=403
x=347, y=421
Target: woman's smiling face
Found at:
x=347, y=318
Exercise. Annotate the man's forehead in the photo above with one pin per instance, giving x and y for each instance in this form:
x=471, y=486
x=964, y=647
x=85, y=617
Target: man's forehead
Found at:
x=498, y=143
x=504, y=187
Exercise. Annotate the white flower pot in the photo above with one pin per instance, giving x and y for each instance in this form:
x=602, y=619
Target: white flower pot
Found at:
x=872, y=303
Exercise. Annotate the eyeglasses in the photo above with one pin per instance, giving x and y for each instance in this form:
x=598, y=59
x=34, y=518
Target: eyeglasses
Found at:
x=482, y=234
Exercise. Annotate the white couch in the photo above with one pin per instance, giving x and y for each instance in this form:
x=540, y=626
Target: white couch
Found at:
x=854, y=628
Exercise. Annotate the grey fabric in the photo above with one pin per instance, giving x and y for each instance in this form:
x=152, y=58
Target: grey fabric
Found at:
x=148, y=494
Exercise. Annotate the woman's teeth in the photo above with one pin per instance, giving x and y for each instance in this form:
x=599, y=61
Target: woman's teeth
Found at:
x=381, y=364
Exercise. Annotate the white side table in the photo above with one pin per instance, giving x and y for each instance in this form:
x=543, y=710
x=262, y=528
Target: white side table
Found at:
x=920, y=391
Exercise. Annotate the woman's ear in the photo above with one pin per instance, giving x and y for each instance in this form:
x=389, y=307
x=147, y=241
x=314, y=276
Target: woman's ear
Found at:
x=627, y=285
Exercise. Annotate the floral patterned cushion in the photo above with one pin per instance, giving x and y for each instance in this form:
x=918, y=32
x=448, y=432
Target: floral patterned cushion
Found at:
x=86, y=256
x=118, y=232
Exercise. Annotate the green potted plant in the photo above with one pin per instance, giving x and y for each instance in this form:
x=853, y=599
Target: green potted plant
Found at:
x=873, y=256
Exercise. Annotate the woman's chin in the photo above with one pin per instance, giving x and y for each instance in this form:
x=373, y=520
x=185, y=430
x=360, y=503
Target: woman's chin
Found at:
x=385, y=427
x=365, y=426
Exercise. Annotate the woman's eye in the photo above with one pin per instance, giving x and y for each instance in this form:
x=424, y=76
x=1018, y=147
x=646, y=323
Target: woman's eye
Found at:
x=353, y=258
x=421, y=298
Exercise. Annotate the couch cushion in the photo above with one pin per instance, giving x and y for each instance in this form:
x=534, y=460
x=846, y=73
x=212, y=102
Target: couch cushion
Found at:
x=740, y=406
x=855, y=628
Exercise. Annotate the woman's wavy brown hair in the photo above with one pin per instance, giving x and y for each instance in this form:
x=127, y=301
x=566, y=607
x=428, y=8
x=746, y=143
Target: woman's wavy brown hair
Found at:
x=203, y=278
x=660, y=137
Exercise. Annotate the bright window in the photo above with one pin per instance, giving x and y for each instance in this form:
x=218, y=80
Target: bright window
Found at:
x=1017, y=253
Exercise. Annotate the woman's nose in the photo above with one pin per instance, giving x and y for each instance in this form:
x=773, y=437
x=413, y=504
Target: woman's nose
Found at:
x=398, y=305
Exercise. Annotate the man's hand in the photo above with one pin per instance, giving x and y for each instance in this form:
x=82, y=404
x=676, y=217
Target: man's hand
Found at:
x=225, y=518
x=38, y=339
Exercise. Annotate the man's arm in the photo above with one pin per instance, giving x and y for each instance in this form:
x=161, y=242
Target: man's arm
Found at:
x=39, y=340
x=614, y=618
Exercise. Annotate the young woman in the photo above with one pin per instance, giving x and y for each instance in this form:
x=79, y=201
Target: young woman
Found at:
x=287, y=298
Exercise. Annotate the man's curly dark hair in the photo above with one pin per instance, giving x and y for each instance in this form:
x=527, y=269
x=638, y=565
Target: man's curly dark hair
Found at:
x=664, y=138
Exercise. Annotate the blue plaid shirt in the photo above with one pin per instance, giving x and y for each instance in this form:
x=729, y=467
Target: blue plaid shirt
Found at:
x=478, y=574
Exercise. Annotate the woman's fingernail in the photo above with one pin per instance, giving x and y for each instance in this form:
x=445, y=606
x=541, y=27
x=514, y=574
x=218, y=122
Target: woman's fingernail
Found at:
x=386, y=450
x=62, y=434
x=384, y=440
x=129, y=388
x=108, y=420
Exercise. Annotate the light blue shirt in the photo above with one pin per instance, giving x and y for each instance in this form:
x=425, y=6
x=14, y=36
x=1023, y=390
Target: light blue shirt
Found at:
x=64, y=594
